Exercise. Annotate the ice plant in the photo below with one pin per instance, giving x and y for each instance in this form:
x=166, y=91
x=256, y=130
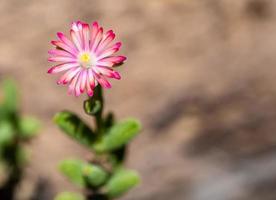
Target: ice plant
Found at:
x=87, y=58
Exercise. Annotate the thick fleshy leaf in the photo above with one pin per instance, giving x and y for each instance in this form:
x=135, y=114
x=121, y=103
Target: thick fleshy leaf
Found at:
x=72, y=169
x=6, y=133
x=28, y=127
x=121, y=182
x=10, y=95
x=73, y=126
x=94, y=175
x=69, y=196
x=118, y=135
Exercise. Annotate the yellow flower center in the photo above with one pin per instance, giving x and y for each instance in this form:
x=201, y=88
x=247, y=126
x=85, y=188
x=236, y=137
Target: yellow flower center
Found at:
x=85, y=58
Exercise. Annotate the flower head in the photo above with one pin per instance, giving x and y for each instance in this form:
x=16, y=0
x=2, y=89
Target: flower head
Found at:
x=87, y=58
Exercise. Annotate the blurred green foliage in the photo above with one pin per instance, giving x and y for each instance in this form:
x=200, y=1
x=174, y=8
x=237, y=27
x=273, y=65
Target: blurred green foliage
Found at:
x=69, y=196
x=15, y=132
x=118, y=135
x=73, y=126
x=121, y=181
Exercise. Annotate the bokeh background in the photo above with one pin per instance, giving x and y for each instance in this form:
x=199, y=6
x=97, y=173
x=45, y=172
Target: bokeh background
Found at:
x=200, y=75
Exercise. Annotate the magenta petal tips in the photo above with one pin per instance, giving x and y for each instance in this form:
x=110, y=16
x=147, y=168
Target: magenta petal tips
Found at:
x=86, y=58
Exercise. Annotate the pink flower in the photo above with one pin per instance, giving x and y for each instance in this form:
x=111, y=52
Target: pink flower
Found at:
x=86, y=57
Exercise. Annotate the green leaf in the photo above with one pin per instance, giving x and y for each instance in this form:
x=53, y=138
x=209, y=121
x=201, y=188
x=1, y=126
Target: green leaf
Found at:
x=73, y=126
x=10, y=95
x=28, y=127
x=72, y=169
x=69, y=196
x=6, y=133
x=94, y=175
x=118, y=135
x=121, y=182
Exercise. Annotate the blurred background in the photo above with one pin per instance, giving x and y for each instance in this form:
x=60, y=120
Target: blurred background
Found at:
x=200, y=75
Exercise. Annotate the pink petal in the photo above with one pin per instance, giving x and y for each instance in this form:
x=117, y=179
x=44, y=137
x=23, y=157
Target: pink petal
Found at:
x=83, y=80
x=94, y=32
x=107, y=39
x=89, y=89
x=62, y=45
x=86, y=35
x=57, y=52
x=62, y=67
x=77, y=26
x=105, y=64
x=102, y=80
x=109, y=51
x=78, y=85
x=76, y=39
x=72, y=85
x=61, y=59
x=66, y=41
x=97, y=40
x=108, y=72
x=113, y=59
x=67, y=77
x=91, y=79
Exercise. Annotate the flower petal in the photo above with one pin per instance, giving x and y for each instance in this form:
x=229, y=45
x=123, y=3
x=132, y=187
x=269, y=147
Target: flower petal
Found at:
x=67, y=77
x=77, y=26
x=89, y=89
x=66, y=41
x=101, y=80
x=112, y=59
x=94, y=32
x=91, y=79
x=72, y=85
x=78, y=90
x=97, y=40
x=86, y=36
x=62, y=67
x=57, y=52
x=109, y=51
x=63, y=46
x=83, y=80
x=76, y=39
x=107, y=39
x=62, y=59
x=108, y=72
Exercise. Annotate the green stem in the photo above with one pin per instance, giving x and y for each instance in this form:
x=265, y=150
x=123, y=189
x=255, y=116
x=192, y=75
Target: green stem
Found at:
x=116, y=158
x=98, y=96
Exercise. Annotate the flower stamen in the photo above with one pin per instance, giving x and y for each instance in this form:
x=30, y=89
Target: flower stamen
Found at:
x=85, y=57
x=86, y=60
